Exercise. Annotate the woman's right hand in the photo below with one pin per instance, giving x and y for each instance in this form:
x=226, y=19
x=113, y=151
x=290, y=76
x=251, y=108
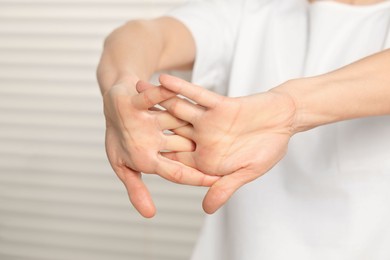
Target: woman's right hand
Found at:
x=135, y=139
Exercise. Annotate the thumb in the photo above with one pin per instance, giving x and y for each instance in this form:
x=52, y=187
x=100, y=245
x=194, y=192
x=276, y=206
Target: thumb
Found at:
x=139, y=194
x=221, y=191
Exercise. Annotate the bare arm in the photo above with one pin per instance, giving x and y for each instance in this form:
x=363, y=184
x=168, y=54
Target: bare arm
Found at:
x=240, y=145
x=360, y=89
x=139, y=48
x=134, y=134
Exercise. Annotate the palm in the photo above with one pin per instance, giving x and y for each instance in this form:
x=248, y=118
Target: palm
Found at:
x=237, y=138
x=230, y=138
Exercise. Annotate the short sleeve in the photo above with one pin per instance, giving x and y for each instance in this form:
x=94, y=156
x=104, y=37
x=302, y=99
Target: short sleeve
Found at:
x=214, y=25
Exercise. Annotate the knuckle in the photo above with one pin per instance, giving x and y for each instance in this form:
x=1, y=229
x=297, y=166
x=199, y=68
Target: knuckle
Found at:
x=174, y=105
x=203, y=181
x=177, y=175
x=148, y=99
x=165, y=94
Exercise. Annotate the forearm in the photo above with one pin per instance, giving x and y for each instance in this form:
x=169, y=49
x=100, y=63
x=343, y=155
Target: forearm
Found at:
x=360, y=89
x=139, y=48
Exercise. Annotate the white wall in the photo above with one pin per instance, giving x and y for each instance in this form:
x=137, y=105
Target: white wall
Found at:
x=59, y=199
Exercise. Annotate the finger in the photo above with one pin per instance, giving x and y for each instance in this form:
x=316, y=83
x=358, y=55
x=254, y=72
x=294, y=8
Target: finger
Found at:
x=155, y=109
x=180, y=173
x=166, y=121
x=142, y=86
x=150, y=96
x=183, y=109
x=179, y=107
x=139, y=194
x=222, y=190
x=185, y=131
x=198, y=94
x=178, y=144
x=182, y=157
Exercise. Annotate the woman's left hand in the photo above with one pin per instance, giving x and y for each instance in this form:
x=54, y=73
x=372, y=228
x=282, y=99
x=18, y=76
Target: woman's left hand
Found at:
x=237, y=138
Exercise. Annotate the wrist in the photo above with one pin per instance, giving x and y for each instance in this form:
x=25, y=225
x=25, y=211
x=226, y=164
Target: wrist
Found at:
x=319, y=100
x=307, y=102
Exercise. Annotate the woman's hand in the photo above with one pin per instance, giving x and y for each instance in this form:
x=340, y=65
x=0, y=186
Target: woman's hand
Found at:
x=237, y=138
x=135, y=139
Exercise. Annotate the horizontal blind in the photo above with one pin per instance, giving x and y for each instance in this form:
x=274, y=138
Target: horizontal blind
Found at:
x=59, y=198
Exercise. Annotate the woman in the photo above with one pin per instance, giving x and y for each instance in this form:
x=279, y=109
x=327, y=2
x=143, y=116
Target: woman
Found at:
x=328, y=198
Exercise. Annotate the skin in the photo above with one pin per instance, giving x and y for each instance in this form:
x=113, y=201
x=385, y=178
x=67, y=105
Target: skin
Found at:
x=134, y=134
x=230, y=141
x=129, y=156
x=233, y=142
x=134, y=131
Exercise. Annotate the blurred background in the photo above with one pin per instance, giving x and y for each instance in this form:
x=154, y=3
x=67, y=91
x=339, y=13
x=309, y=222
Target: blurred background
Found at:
x=59, y=198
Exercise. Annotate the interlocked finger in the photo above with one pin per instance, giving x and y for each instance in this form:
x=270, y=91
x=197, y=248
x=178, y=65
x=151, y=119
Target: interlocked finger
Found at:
x=178, y=144
x=183, y=157
x=180, y=173
x=167, y=122
x=196, y=93
x=151, y=95
x=183, y=109
x=186, y=131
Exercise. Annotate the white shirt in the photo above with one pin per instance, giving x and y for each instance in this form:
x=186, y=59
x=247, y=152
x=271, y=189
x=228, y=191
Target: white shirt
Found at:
x=329, y=198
